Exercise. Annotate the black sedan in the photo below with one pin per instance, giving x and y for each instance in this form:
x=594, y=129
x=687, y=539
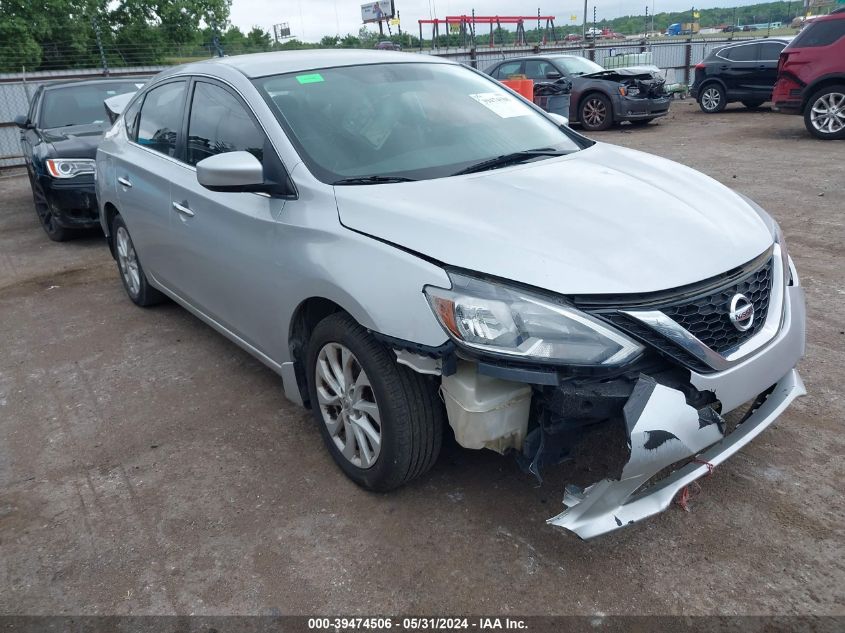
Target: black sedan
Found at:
x=59, y=138
x=743, y=71
x=598, y=97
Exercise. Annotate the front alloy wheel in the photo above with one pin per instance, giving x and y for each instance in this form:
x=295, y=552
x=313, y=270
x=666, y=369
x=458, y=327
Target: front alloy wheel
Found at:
x=825, y=116
x=596, y=113
x=348, y=405
x=381, y=421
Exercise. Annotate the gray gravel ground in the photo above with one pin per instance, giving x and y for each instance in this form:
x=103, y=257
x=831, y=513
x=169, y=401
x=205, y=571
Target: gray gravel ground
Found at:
x=148, y=466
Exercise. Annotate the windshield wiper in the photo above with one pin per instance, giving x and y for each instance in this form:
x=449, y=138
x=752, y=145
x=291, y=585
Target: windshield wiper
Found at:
x=371, y=180
x=510, y=159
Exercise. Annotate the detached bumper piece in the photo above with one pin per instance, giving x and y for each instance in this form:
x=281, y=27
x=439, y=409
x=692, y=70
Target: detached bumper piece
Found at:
x=663, y=430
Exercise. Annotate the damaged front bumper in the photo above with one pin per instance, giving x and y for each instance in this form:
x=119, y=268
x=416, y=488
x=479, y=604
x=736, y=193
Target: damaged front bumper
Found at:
x=663, y=430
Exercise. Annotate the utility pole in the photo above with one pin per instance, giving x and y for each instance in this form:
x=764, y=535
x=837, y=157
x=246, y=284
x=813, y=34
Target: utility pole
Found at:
x=584, y=27
x=645, y=26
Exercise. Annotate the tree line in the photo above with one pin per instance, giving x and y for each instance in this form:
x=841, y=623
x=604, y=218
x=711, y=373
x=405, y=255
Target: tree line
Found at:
x=58, y=34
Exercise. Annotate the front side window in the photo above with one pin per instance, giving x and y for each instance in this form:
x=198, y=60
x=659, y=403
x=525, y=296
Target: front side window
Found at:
x=410, y=120
x=822, y=33
x=161, y=116
x=537, y=69
x=70, y=105
x=220, y=123
x=575, y=65
x=508, y=69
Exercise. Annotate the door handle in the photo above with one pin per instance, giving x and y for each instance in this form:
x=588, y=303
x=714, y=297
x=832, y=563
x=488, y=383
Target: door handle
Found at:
x=124, y=182
x=183, y=209
x=725, y=67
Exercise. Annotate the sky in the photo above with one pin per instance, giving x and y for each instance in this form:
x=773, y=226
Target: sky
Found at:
x=312, y=19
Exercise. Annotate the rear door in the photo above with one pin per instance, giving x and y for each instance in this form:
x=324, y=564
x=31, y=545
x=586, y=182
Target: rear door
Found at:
x=738, y=69
x=143, y=167
x=768, y=68
x=225, y=260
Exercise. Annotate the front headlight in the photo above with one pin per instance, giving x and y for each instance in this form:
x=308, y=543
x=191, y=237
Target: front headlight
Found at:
x=69, y=167
x=508, y=321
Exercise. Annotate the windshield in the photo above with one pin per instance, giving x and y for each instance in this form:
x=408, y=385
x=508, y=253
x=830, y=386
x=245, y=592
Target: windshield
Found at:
x=411, y=120
x=81, y=105
x=574, y=65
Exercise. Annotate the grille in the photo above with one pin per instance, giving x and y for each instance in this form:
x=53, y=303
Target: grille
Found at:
x=706, y=318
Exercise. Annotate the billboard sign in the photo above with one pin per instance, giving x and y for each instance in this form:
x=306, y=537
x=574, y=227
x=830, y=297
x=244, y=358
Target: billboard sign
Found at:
x=377, y=11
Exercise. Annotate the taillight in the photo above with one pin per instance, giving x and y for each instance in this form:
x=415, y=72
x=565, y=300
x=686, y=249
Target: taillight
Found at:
x=700, y=66
x=782, y=60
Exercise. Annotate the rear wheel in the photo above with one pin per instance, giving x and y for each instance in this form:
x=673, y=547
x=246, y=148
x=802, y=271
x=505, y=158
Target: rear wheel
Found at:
x=824, y=114
x=712, y=99
x=753, y=103
x=45, y=214
x=596, y=112
x=381, y=421
x=131, y=272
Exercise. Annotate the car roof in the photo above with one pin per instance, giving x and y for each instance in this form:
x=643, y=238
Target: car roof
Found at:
x=280, y=62
x=67, y=83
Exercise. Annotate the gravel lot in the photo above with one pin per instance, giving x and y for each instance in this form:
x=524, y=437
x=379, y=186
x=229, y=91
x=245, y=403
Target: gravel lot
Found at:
x=149, y=466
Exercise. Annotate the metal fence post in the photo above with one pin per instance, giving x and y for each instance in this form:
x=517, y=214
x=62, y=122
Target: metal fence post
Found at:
x=687, y=60
x=100, y=46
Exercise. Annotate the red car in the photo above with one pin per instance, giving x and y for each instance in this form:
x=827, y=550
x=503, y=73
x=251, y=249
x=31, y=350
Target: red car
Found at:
x=811, y=77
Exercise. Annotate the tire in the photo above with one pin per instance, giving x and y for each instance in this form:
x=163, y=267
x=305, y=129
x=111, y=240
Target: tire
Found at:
x=751, y=105
x=712, y=98
x=129, y=266
x=44, y=212
x=640, y=122
x=595, y=112
x=824, y=114
x=400, y=406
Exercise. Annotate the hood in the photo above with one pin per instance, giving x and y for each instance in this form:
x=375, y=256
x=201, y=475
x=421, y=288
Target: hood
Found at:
x=632, y=72
x=604, y=220
x=75, y=141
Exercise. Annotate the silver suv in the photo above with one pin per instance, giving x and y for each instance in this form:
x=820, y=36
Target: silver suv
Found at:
x=409, y=244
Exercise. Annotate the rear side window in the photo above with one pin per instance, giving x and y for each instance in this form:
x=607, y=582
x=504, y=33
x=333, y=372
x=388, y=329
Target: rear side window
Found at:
x=161, y=116
x=508, y=69
x=744, y=53
x=219, y=123
x=820, y=34
x=130, y=120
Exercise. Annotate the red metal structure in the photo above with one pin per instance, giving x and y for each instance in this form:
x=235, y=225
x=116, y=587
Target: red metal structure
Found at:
x=466, y=26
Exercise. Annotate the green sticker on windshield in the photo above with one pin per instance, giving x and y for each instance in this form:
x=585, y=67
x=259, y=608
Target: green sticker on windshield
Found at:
x=309, y=79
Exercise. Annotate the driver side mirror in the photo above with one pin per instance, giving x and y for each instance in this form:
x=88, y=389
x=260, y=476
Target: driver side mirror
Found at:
x=553, y=75
x=23, y=122
x=242, y=172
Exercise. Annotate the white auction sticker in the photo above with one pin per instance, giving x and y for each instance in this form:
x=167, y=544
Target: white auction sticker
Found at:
x=502, y=104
